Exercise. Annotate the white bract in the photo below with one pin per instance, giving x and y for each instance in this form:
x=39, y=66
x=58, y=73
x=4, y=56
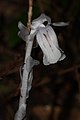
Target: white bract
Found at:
x=47, y=40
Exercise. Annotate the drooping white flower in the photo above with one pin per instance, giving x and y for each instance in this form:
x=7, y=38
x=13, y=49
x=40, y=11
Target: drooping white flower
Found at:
x=46, y=38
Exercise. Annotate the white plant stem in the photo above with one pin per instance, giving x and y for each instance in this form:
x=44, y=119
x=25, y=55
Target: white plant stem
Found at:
x=25, y=73
x=24, y=88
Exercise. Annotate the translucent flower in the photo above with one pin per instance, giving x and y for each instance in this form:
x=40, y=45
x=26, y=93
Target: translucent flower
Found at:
x=46, y=38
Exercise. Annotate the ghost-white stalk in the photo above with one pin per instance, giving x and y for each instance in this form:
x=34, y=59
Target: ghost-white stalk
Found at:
x=24, y=89
x=27, y=74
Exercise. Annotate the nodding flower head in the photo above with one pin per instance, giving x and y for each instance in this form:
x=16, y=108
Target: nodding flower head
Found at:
x=46, y=38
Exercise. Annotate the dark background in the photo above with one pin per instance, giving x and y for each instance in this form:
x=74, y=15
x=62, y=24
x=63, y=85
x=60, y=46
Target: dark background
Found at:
x=55, y=93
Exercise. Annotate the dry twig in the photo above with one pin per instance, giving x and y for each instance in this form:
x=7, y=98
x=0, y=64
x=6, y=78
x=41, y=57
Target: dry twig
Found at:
x=29, y=14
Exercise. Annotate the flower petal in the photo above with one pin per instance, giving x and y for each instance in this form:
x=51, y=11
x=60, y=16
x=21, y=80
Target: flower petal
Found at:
x=52, y=36
x=62, y=55
x=53, y=41
x=40, y=42
x=23, y=33
x=43, y=43
x=45, y=60
x=40, y=20
x=61, y=24
x=51, y=53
